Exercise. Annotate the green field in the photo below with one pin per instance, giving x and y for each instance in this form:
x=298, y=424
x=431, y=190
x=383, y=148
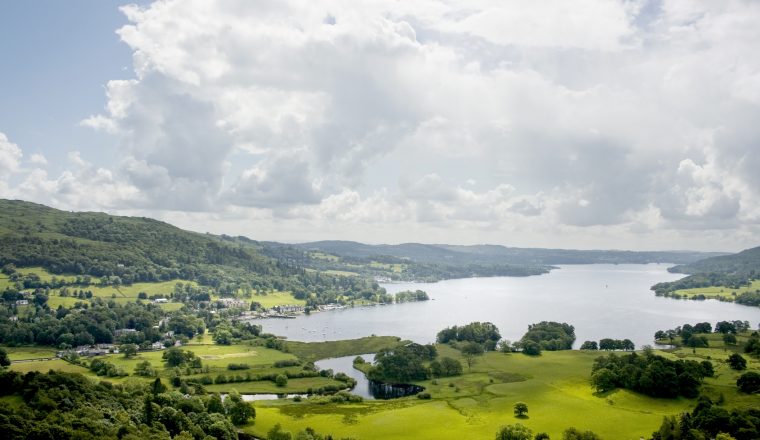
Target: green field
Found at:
x=396, y=268
x=44, y=275
x=555, y=386
x=718, y=292
x=272, y=299
x=312, y=351
x=22, y=353
x=298, y=385
x=45, y=366
x=121, y=294
x=217, y=357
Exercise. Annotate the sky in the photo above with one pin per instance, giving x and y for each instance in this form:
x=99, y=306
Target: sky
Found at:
x=588, y=124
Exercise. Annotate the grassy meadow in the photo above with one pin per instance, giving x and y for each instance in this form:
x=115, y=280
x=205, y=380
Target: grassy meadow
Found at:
x=555, y=387
x=718, y=292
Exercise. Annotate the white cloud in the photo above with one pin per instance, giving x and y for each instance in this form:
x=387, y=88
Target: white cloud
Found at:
x=542, y=120
x=10, y=156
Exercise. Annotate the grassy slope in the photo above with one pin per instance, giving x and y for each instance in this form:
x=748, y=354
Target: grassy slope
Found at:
x=555, y=386
x=87, y=242
x=128, y=293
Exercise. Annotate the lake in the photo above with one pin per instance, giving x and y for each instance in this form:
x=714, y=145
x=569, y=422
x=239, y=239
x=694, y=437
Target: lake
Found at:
x=601, y=301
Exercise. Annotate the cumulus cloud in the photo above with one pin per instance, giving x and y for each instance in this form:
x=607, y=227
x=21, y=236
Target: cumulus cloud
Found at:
x=10, y=156
x=596, y=118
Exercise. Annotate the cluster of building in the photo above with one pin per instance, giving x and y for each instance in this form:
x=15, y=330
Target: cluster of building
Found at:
x=281, y=311
x=233, y=303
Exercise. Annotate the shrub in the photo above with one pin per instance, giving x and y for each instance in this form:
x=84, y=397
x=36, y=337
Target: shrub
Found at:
x=281, y=380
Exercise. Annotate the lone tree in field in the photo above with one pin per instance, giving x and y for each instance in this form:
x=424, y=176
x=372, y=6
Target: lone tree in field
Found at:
x=129, y=350
x=749, y=383
x=469, y=351
x=521, y=409
x=737, y=362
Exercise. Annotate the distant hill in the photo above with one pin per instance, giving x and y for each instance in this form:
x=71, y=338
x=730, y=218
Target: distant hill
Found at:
x=493, y=254
x=431, y=262
x=744, y=263
x=406, y=262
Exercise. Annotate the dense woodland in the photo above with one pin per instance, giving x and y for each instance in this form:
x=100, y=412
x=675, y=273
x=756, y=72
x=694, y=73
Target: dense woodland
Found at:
x=650, y=374
x=58, y=405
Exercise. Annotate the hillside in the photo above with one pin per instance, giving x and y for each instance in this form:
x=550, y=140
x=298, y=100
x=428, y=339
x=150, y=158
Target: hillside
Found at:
x=134, y=249
x=733, y=272
x=744, y=263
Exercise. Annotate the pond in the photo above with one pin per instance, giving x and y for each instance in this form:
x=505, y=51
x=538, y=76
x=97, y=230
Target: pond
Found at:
x=601, y=301
x=368, y=389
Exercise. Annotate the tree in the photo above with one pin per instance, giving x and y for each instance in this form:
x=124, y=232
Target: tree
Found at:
x=753, y=345
x=129, y=350
x=214, y=404
x=446, y=367
x=158, y=387
x=749, y=382
x=725, y=327
x=145, y=369
x=470, y=350
x=479, y=332
x=514, y=432
x=276, y=433
x=281, y=380
x=589, y=345
x=521, y=409
x=4, y=359
x=604, y=380
x=450, y=367
x=696, y=341
x=223, y=337
x=729, y=339
x=551, y=335
x=737, y=362
x=238, y=409
x=707, y=368
x=531, y=348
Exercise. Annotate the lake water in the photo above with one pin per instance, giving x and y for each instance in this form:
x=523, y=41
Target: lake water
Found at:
x=601, y=301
